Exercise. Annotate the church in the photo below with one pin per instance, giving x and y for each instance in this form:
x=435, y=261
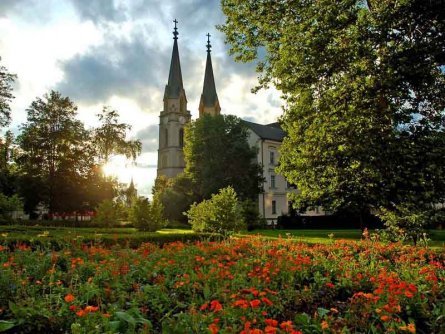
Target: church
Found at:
x=273, y=201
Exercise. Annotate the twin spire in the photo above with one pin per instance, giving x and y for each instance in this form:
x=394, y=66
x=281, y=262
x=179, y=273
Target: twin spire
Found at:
x=209, y=103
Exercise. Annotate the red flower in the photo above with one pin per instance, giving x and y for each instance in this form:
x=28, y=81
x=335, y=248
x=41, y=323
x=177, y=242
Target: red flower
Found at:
x=271, y=322
x=266, y=301
x=255, y=303
x=215, y=306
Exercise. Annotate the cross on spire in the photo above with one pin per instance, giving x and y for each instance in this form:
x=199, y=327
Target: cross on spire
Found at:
x=209, y=46
x=175, y=32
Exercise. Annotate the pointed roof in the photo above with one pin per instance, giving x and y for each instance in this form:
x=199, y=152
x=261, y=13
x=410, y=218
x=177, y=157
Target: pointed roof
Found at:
x=209, y=96
x=174, y=86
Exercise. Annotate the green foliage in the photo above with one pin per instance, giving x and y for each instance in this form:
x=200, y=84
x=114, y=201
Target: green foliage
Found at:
x=6, y=81
x=222, y=213
x=9, y=204
x=405, y=223
x=110, y=137
x=108, y=213
x=147, y=216
x=218, y=155
x=251, y=215
x=364, y=91
x=176, y=195
x=55, y=159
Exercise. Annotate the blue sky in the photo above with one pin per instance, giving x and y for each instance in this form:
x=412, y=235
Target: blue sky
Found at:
x=117, y=53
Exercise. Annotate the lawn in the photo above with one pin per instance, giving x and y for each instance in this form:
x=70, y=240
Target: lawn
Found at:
x=122, y=234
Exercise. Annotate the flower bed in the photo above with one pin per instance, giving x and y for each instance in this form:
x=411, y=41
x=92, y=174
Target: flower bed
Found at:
x=248, y=285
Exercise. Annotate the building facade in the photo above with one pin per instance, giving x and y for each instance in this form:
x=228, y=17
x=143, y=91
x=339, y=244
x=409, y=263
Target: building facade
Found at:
x=274, y=201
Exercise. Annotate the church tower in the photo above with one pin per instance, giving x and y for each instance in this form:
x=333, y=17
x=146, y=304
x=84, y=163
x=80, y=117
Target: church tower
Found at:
x=173, y=118
x=209, y=103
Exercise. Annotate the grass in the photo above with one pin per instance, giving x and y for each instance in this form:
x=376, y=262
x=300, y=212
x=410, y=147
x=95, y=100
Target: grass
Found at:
x=23, y=233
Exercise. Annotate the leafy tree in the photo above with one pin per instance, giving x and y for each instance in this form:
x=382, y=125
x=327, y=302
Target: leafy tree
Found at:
x=6, y=81
x=218, y=155
x=56, y=156
x=220, y=214
x=110, y=137
x=176, y=195
x=147, y=216
x=108, y=213
x=8, y=170
x=364, y=86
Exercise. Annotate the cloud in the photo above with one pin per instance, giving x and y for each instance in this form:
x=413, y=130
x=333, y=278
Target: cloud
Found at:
x=149, y=138
x=99, y=10
x=121, y=66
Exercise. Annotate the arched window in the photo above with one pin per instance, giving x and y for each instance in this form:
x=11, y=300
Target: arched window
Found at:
x=181, y=137
x=166, y=138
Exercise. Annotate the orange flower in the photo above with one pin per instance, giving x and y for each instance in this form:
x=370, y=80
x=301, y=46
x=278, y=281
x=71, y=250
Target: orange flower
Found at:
x=324, y=325
x=410, y=328
x=385, y=318
x=81, y=313
x=69, y=298
x=90, y=308
x=270, y=330
x=242, y=303
x=213, y=328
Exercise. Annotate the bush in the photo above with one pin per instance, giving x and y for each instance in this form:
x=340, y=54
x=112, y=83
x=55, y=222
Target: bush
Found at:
x=8, y=205
x=108, y=213
x=251, y=215
x=220, y=214
x=404, y=223
x=147, y=216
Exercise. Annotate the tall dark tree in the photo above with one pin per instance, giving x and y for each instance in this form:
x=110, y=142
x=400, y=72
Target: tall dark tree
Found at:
x=364, y=85
x=6, y=81
x=56, y=155
x=218, y=155
x=7, y=166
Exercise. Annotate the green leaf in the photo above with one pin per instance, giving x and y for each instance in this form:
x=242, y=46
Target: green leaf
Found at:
x=126, y=317
x=5, y=325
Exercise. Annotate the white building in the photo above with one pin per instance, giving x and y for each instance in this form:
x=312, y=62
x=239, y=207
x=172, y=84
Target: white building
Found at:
x=274, y=201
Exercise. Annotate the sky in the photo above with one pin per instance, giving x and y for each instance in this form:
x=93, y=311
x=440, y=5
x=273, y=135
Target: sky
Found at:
x=117, y=53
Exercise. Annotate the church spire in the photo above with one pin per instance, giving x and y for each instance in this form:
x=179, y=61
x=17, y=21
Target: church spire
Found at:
x=209, y=103
x=174, y=86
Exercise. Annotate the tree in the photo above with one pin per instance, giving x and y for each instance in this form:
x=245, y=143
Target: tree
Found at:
x=108, y=213
x=176, y=195
x=56, y=156
x=147, y=216
x=8, y=174
x=364, y=87
x=218, y=155
x=6, y=81
x=110, y=137
x=220, y=214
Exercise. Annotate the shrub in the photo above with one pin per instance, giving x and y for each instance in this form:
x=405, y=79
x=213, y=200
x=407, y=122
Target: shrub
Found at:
x=108, y=213
x=220, y=214
x=404, y=223
x=251, y=215
x=147, y=216
x=8, y=205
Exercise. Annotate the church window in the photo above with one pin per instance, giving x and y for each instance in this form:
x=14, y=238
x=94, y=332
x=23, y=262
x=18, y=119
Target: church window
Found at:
x=166, y=138
x=181, y=137
x=274, y=207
